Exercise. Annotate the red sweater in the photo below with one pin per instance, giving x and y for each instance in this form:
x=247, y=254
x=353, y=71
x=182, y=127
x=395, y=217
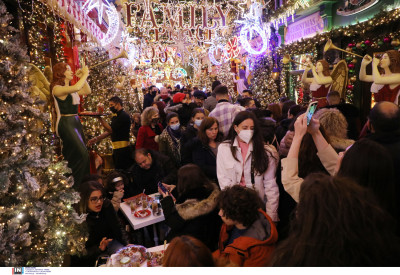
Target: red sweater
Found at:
x=145, y=138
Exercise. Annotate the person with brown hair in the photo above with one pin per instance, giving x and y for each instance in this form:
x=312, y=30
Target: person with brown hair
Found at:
x=68, y=126
x=276, y=111
x=224, y=112
x=186, y=251
x=205, y=148
x=320, y=83
x=248, y=235
x=195, y=212
x=386, y=85
x=338, y=223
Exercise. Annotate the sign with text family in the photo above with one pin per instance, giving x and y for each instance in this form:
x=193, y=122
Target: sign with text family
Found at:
x=304, y=28
x=169, y=22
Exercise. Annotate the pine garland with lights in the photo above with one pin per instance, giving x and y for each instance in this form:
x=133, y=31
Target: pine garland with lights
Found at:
x=263, y=85
x=38, y=224
x=105, y=82
x=224, y=75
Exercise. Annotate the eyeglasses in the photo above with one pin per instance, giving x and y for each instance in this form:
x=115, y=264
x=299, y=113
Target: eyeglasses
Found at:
x=96, y=199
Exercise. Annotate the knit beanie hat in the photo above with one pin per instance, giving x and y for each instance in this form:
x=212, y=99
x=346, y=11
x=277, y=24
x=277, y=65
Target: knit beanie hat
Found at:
x=178, y=97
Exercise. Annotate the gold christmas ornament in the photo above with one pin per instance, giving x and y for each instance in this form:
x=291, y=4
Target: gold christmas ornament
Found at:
x=395, y=42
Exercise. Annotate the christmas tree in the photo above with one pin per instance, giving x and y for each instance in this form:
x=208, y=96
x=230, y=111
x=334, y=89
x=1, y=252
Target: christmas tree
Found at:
x=263, y=85
x=38, y=224
x=224, y=75
x=107, y=80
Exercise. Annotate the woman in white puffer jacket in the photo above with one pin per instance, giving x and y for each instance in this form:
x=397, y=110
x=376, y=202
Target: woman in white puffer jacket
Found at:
x=246, y=160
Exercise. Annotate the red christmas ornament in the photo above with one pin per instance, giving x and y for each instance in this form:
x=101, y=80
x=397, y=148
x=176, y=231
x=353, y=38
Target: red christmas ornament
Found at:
x=368, y=42
x=350, y=87
x=351, y=66
x=351, y=45
x=387, y=39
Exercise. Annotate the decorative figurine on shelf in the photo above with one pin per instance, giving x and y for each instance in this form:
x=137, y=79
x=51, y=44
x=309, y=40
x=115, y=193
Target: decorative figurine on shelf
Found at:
x=321, y=81
x=386, y=85
x=68, y=126
x=241, y=83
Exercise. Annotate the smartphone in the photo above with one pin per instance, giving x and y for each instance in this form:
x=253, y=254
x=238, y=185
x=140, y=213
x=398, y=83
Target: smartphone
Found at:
x=312, y=107
x=102, y=260
x=162, y=188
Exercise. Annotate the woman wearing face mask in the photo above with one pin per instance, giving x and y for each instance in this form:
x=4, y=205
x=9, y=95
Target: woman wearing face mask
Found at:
x=150, y=131
x=243, y=158
x=187, y=140
x=105, y=236
x=170, y=138
x=205, y=149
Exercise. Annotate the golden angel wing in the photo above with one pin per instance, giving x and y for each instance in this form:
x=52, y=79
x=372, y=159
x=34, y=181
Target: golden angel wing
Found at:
x=340, y=76
x=41, y=85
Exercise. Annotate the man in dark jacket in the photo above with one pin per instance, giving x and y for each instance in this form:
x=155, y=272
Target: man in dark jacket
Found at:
x=149, y=97
x=384, y=125
x=150, y=168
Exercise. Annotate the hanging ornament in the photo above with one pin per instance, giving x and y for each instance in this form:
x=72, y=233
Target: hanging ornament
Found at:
x=368, y=42
x=387, y=39
x=395, y=42
x=351, y=66
x=233, y=48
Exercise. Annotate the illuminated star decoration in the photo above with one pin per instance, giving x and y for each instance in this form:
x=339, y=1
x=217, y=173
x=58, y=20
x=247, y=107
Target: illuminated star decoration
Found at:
x=181, y=46
x=98, y=4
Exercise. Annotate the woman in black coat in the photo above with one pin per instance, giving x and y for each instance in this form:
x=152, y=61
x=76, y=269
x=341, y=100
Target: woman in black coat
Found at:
x=205, y=149
x=195, y=212
x=187, y=140
x=105, y=235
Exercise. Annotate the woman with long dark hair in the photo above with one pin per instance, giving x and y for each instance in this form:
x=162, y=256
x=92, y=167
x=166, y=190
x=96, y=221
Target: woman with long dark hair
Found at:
x=195, y=212
x=189, y=134
x=338, y=223
x=243, y=158
x=105, y=235
x=205, y=149
x=65, y=100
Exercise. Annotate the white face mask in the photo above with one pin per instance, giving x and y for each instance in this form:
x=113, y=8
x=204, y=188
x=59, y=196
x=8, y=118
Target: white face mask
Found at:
x=175, y=126
x=246, y=135
x=198, y=122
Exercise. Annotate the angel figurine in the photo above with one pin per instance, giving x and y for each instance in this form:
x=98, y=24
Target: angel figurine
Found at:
x=241, y=83
x=385, y=86
x=40, y=84
x=320, y=83
x=68, y=126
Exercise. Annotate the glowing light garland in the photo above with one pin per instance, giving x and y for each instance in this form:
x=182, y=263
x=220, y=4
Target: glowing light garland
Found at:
x=224, y=54
x=251, y=24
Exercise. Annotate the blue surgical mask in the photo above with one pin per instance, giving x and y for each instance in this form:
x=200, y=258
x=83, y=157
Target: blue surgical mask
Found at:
x=198, y=122
x=175, y=126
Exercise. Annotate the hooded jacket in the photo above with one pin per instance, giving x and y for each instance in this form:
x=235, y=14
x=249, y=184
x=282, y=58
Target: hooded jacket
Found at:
x=254, y=248
x=196, y=218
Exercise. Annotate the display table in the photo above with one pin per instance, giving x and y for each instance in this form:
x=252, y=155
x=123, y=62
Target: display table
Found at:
x=138, y=223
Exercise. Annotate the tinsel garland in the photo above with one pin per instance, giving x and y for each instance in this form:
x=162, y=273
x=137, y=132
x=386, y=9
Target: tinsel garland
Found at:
x=37, y=221
x=263, y=85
